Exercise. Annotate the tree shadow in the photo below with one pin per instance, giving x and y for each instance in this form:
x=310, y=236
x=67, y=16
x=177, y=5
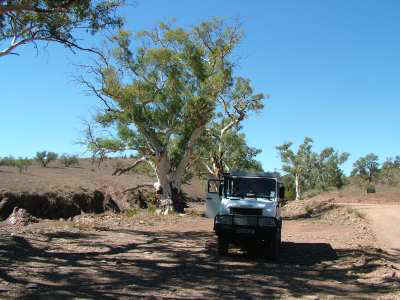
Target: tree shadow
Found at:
x=184, y=264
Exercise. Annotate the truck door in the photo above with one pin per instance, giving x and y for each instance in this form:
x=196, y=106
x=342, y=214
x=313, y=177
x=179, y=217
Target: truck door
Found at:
x=213, y=199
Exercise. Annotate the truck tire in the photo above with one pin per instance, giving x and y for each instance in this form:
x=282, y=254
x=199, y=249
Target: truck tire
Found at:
x=275, y=245
x=223, y=246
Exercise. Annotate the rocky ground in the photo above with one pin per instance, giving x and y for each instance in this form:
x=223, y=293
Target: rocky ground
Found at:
x=328, y=250
x=142, y=255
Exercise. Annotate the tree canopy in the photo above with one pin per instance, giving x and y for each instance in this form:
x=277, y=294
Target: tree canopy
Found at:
x=223, y=146
x=311, y=169
x=161, y=94
x=23, y=21
x=216, y=153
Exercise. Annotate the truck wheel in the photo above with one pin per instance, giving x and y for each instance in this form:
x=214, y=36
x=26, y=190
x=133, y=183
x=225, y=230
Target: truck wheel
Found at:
x=275, y=245
x=223, y=246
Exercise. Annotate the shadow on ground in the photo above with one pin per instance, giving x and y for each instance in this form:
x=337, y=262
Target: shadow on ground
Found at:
x=176, y=264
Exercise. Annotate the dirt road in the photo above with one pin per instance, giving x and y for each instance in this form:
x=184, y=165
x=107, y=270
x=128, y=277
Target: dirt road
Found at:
x=385, y=222
x=175, y=257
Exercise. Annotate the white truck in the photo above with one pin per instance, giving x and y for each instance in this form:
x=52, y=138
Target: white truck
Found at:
x=246, y=208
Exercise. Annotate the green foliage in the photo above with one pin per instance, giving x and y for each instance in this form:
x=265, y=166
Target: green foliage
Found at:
x=366, y=171
x=309, y=210
x=69, y=160
x=23, y=21
x=161, y=94
x=8, y=161
x=371, y=189
x=44, y=158
x=22, y=164
x=367, y=168
x=151, y=209
x=217, y=154
x=131, y=212
x=290, y=190
x=312, y=170
x=390, y=171
x=99, y=147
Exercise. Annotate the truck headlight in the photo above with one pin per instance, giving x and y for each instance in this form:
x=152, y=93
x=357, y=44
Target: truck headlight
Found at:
x=226, y=220
x=266, y=222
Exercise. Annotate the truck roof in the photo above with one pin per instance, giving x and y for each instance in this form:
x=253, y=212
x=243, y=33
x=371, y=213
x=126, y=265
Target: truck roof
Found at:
x=239, y=173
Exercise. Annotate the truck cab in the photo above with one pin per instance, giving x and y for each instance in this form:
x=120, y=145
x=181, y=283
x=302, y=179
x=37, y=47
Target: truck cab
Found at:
x=246, y=208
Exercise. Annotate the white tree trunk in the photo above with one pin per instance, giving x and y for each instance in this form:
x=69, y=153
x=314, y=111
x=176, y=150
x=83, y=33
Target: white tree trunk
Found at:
x=162, y=168
x=297, y=183
x=170, y=181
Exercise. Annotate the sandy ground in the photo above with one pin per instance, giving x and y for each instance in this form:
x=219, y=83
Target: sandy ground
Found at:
x=327, y=251
x=385, y=222
x=113, y=256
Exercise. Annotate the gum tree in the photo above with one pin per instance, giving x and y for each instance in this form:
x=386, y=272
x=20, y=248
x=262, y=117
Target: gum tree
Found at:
x=161, y=94
x=26, y=22
x=297, y=164
x=216, y=153
x=223, y=146
x=366, y=169
x=312, y=169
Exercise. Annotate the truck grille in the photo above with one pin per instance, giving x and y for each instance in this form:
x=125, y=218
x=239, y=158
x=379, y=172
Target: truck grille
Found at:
x=246, y=211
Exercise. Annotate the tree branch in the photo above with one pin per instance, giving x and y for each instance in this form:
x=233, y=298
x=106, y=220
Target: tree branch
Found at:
x=120, y=171
x=30, y=8
x=14, y=45
x=138, y=187
x=180, y=170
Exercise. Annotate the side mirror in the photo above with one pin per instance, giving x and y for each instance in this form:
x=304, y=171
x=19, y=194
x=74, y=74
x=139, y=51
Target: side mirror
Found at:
x=221, y=189
x=282, y=192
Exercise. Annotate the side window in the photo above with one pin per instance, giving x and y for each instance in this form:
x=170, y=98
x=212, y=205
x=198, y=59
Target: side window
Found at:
x=213, y=186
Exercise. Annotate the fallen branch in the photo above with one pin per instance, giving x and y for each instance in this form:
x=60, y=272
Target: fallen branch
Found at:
x=138, y=187
x=120, y=171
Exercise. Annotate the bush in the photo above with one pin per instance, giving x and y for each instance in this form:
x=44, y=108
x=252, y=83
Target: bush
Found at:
x=8, y=161
x=22, y=164
x=69, y=160
x=371, y=189
x=44, y=157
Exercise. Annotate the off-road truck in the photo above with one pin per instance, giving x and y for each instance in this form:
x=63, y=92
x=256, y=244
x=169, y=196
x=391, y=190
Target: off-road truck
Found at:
x=246, y=208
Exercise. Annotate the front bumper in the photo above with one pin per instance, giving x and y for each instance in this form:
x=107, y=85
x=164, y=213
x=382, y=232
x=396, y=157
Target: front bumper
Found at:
x=239, y=227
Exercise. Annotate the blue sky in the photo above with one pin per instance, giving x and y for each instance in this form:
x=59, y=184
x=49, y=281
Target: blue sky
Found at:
x=332, y=69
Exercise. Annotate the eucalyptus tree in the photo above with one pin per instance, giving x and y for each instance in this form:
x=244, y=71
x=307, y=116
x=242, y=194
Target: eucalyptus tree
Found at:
x=216, y=153
x=23, y=22
x=223, y=147
x=312, y=169
x=326, y=171
x=366, y=169
x=298, y=164
x=390, y=171
x=161, y=94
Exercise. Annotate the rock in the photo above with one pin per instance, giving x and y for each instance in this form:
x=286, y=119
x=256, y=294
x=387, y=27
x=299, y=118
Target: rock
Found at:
x=20, y=216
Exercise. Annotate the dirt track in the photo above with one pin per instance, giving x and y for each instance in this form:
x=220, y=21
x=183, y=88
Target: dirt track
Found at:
x=175, y=257
x=385, y=222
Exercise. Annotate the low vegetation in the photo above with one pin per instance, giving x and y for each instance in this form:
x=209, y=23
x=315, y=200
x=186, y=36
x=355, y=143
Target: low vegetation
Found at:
x=44, y=158
x=22, y=164
x=69, y=160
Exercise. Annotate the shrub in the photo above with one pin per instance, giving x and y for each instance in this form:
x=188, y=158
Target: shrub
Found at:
x=151, y=209
x=44, y=157
x=132, y=212
x=69, y=160
x=309, y=210
x=22, y=164
x=371, y=189
x=8, y=161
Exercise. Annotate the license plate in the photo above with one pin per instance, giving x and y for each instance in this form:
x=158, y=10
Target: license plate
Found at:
x=245, y=230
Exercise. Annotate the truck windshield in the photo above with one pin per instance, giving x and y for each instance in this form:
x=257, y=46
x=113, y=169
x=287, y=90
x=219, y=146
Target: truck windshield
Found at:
x=251, y=187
